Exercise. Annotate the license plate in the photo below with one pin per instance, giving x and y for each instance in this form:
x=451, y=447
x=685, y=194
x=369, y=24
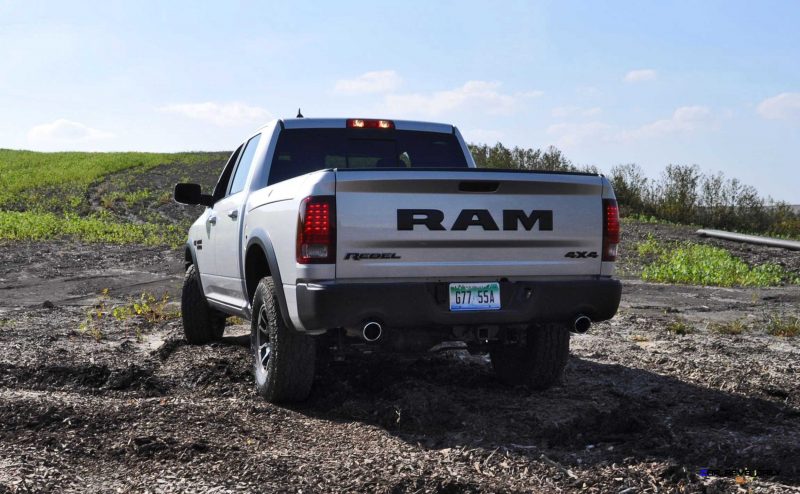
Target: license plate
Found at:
x=474, y=296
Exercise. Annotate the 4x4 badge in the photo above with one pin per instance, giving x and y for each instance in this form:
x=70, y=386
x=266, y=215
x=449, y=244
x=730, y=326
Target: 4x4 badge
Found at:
x=581, y=254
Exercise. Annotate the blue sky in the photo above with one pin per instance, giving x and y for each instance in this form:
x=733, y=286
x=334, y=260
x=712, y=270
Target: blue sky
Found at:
x=711, y=83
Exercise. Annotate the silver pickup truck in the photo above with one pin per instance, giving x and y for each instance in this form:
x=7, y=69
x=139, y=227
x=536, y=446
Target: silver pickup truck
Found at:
x=381, y=235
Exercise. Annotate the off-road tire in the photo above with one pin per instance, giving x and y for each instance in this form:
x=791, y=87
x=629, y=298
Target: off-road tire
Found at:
x=288, y=371
x=539, y=363
x=201, y=323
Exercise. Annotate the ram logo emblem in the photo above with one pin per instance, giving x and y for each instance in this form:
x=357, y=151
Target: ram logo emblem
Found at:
x=432, y=219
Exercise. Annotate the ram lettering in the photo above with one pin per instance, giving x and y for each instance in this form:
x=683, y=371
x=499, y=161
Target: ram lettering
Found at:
x=512, y=219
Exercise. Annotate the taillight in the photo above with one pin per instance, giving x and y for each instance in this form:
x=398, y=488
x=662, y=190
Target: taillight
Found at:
x=610, y=229
x=361, y=123
x=316, y=230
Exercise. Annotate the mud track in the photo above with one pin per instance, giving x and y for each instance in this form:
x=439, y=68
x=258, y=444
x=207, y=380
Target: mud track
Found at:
x=640, y=409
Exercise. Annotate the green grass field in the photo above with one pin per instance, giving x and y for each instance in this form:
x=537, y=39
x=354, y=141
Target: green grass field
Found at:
x=45, y=196
x=34, y=225
x=23, y=173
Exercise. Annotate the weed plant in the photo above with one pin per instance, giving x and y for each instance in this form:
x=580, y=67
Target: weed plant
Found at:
x=735, y=327
x=680, y=327
x=147, y=308
x=785, y=326
x=696, y=264
x=31, y=225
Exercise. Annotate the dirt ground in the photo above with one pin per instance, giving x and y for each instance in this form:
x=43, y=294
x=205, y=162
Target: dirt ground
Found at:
x=130, y=407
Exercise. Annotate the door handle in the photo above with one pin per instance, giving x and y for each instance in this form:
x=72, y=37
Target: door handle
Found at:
x=212, y=220
x=233, y=214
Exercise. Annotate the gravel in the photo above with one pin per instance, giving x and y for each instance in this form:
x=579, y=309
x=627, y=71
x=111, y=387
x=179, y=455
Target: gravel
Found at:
x=138, y=410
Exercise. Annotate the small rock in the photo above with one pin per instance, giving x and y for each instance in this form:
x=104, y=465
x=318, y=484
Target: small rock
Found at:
x=48, y=304
x=776, y=392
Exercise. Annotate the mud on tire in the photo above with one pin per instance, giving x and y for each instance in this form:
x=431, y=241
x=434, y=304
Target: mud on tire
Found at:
x=201, y=323
x=538, y=364
x=283, y=359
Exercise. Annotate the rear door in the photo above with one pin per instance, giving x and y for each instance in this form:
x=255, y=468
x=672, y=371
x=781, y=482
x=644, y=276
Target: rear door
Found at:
x=227, y=242
x=462, y=225
x=204, y=245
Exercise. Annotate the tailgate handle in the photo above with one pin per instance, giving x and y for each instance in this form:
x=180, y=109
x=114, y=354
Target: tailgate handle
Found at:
x=478, y=186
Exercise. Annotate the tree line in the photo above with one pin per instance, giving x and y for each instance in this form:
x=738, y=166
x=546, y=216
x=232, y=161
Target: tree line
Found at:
x=681, y=194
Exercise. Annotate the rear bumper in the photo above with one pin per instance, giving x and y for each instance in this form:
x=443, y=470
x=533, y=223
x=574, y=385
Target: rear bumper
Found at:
x=333, y=305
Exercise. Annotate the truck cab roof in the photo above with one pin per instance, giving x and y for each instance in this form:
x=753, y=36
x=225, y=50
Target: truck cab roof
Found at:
x=341, y=123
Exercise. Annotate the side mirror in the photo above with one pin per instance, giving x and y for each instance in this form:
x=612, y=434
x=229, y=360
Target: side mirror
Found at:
x=190, y=194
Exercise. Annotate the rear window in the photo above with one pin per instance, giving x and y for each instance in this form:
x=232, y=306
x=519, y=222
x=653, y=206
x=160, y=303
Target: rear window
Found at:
x=301, y=151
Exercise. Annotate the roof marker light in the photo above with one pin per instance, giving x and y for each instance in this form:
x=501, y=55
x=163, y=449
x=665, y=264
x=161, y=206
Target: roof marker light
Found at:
x=361, y=123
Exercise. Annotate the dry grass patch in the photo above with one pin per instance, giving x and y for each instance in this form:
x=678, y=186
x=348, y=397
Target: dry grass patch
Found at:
x=735, y=327
x=680, y=327
x=785, y=326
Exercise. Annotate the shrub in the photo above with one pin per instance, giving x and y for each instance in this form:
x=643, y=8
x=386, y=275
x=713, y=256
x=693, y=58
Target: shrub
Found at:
x=631, y=188
x=676, y=193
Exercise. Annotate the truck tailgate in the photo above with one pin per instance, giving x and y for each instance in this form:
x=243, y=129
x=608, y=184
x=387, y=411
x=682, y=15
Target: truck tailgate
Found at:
x=451, y=224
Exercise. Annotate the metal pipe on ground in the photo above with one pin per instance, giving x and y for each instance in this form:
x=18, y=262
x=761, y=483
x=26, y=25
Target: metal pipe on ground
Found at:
x=751, y=239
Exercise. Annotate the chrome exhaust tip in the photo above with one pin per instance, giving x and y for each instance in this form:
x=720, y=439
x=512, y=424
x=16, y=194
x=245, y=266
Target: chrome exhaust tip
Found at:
x=581, y=324
x=372, y=331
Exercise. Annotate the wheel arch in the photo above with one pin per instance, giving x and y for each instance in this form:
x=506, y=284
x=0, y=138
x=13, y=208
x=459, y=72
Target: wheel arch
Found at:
x=260, y=261
x=189, y=256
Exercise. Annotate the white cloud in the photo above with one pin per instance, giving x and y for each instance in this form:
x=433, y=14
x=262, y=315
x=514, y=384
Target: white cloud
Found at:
x=587, y=91
x=684, y=119
x=485, y=136
x=222, y=114
x=63, y=132
x=529, y=94
x=381, y=81
x=640, y=75
x=484, y=96
x=782, y=106
x=571, y=134
x=576, y=112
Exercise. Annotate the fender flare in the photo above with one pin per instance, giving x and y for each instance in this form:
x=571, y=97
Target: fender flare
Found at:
x=261, y=238
x=189, y=249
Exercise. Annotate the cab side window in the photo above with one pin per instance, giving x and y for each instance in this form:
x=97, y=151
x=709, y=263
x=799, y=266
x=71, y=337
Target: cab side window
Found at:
x=225, y=176
x=243, y=168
